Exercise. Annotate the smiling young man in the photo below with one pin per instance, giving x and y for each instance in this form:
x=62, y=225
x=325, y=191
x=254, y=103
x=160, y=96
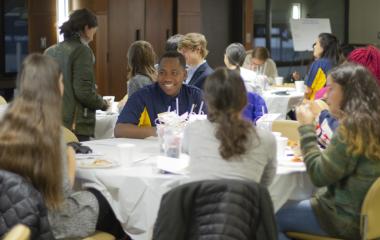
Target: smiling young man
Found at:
x=137, y=119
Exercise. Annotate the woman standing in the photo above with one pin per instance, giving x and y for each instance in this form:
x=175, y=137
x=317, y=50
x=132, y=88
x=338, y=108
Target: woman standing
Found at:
x=225, y=145
x=31, y=145
x=76, y=60
x=327, y=54
x=350, y=163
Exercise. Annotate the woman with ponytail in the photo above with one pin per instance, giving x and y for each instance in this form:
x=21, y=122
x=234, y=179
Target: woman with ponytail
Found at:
x=225, y=145
x=233, y=59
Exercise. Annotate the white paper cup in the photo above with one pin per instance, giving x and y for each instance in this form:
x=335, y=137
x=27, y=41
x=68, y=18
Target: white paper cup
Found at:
x=282, y=143
x=300, y=86
x=126, y=154
x=279, y=80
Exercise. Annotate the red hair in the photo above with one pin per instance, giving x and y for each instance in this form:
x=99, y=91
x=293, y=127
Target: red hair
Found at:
x=369, y=57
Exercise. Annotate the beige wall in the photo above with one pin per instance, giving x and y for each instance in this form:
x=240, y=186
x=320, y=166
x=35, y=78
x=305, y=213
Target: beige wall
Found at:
x=364, y=22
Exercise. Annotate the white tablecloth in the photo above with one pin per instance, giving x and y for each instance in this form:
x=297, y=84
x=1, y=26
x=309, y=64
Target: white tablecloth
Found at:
x=282, y=103
x=134, y=191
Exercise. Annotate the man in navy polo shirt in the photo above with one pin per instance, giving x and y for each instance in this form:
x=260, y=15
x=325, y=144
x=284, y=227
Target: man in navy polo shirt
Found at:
x=137, y=119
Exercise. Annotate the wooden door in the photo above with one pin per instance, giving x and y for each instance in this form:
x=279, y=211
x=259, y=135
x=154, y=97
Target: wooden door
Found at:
x=126, y=20
x=41, y=24
x=159, y=23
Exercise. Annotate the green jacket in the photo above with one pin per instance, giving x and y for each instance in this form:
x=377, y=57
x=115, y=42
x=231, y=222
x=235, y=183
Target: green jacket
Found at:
x=80, y=99
x=345, y=178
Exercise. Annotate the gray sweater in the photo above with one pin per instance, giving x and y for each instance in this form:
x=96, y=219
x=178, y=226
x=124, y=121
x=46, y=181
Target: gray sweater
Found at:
x=136, y=82
x=257, y=164
x=79, y=212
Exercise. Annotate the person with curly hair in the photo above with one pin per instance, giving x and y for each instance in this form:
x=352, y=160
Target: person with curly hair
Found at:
x=346, y=169
x=225, y=145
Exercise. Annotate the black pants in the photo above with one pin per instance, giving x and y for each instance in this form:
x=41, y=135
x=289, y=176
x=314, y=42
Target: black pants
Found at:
x=107, y=221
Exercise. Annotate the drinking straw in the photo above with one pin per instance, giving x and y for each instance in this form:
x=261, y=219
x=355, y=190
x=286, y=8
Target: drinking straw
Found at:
x=191, y=109
x=200, y=108
x=169, y=108
x=263, y=109
x=177, y=106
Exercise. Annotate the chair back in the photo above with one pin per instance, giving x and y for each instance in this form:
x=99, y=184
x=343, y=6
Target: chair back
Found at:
x=68, y=135
x=222, y=209
x=2, y=100
x=370, y=213
x=21, y=203
x=18, y=232
x=287, y=128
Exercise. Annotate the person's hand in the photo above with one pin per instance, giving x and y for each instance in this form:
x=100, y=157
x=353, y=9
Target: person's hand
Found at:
x=106, y=105
x=305, y=114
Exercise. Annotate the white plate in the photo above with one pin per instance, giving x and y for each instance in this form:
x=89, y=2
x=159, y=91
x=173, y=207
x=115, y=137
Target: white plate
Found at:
x=287, y=162
x=94, y=163
x=80, y=156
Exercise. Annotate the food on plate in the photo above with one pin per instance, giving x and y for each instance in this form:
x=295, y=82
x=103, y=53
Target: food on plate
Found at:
x=292, y=143
x=99, y=162
x=297, y=159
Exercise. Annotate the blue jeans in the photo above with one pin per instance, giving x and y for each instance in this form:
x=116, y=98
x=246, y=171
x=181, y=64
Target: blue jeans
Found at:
x=298, y=217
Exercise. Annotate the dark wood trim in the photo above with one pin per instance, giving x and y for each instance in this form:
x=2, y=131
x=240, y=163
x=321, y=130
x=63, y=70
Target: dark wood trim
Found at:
x=268, y=24
x=247, y=24
x=2, y=41
x=346, y=21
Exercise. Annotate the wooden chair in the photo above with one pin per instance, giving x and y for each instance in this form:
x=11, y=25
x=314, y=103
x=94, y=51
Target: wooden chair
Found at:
x=287, y=128
x=68, y=135
x=18, y=232
x=100, y=236
x=369, y=222
x=2, y=100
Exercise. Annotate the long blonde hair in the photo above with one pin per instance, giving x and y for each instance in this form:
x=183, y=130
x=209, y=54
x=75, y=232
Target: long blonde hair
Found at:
x=30, y=130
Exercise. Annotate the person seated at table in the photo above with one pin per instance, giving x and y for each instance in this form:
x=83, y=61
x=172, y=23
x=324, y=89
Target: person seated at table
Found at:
x=233, y=59
x=171, y=44
x=140, y=68
x=225, y=145
x=349, y=165
x=137, y=119
x=258, y=60
x=32, y=146
x=194, y=47
x=368, y=57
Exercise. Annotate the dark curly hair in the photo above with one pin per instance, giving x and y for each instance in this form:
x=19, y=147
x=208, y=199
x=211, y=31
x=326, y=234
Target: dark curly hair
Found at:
x=225, y=97
x=77, y=22
x=359, y=125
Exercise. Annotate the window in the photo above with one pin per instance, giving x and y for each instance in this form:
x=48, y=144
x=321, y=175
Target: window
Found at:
x=63, y=15
x=14, y=35
x=280, y=42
